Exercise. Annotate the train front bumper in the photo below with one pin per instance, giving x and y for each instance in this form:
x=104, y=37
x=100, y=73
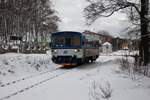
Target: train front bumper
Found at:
x=65, y=60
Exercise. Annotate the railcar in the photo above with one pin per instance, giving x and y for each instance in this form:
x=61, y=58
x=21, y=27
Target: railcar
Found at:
x=74, y=48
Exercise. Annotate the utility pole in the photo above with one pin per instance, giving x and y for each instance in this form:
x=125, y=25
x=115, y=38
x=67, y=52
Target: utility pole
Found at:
x=144, y=48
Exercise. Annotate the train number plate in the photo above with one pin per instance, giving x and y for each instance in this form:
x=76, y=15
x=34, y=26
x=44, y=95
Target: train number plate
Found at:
x=65, y=52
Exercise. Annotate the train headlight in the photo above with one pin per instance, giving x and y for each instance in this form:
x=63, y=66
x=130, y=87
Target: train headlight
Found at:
x=54, y=51
x=76, y=50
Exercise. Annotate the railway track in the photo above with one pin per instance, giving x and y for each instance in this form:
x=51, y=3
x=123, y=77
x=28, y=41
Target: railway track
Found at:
x=23, y=79
x=50, y=75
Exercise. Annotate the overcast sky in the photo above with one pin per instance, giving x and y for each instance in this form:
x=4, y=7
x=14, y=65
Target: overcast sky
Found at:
x=71, y=14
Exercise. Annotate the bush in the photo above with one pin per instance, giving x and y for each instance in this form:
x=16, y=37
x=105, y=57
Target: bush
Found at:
x=124, y=64
x=133, y=67
x=100, y=90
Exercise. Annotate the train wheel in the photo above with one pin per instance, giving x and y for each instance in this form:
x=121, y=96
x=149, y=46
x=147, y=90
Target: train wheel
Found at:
x=79, y=62
x=86, y=60
x=93, y=59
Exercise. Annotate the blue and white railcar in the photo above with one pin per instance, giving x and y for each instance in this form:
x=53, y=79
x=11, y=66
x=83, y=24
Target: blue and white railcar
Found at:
x=73, y=48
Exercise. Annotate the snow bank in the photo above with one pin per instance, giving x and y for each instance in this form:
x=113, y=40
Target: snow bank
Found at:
x=14, y=65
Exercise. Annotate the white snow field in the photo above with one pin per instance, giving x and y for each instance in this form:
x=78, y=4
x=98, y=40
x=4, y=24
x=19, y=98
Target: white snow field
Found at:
x=50, y=83
x=13, y=65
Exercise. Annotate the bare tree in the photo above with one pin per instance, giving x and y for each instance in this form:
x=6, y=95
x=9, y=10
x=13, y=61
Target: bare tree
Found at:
x=27, y=18
x=137, y=12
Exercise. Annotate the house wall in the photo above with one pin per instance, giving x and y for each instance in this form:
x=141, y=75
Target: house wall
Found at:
x=106, y=49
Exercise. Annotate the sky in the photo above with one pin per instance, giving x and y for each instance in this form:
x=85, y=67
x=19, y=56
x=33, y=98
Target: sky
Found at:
x=71, y=14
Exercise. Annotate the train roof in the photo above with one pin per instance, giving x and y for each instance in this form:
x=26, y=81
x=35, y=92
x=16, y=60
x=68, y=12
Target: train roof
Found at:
x=90, y=33
x=83, y=33
x=60, y=32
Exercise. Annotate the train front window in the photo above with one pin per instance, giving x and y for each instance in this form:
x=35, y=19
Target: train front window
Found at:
x=58, y=41
x=66, y=41
x=75, y=41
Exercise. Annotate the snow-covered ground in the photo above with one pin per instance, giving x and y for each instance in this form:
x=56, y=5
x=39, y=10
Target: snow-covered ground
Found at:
x=120, y=53
x=13, y=65
x=70, y=84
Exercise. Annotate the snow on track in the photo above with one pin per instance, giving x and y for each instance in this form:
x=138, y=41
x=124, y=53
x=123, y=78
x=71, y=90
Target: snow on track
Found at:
x=22, y=79
x=14, y=89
